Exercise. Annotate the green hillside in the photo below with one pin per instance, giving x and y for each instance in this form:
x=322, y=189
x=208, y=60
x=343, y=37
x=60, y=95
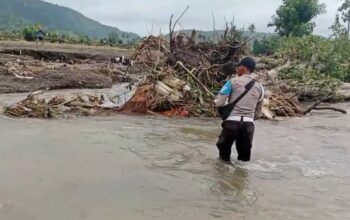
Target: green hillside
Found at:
x=14, y=14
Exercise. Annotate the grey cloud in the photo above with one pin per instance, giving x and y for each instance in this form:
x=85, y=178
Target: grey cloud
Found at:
x=139, y=15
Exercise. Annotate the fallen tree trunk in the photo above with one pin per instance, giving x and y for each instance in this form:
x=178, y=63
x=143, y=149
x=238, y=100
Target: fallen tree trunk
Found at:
x=273, y=74
x=315, y=106
x=331, y=108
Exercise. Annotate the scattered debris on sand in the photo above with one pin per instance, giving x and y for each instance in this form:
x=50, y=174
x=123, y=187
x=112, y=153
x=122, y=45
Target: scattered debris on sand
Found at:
x=34, y=106
x=176, y=77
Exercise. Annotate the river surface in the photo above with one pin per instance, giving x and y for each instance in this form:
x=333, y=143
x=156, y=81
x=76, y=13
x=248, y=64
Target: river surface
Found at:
x=156, y=168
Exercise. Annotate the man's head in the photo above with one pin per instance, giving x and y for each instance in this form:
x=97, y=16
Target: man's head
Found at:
x=246, y=66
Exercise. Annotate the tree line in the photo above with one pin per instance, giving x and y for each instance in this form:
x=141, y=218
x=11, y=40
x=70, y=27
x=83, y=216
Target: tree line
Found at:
x=316, y=55
x=29, y=33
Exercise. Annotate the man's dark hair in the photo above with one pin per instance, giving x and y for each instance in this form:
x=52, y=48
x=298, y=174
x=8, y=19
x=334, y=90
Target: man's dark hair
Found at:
x=249, y=63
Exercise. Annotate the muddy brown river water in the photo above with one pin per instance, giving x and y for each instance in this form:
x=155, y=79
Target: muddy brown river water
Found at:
x=155, y=168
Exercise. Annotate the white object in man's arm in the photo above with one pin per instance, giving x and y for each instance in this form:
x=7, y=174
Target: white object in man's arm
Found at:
x=221, y=100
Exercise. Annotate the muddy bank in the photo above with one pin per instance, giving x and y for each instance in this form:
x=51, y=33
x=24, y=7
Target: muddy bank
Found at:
x=63, y=79
x=30, y=67
x=63, y=56
x=53, y=51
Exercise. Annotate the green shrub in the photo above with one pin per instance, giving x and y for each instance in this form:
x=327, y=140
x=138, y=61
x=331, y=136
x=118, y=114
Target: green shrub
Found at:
x=310, y=83
x=266, y=46
x=29, y=33
x=327, y=56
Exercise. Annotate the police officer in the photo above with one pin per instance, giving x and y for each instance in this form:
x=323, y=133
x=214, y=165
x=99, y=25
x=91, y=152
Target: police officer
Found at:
x=239, y=126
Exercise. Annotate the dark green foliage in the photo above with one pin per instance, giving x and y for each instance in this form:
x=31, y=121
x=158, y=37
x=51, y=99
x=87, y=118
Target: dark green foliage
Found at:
x=266, y=46
x=260, y=47
x=294, y=17
x=30, y=31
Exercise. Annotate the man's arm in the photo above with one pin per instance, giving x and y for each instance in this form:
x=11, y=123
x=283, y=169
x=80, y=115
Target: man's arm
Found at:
x=259, y=106
x=258, y=111
x=224, y=94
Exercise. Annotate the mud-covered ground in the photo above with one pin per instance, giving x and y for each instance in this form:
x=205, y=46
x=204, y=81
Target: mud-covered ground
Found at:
x=27, y=67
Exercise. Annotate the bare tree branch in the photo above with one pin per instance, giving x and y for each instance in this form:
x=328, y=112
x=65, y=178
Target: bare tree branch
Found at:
x=179, y=18
x=171, y=33
x=315, y=105
x=172, y=27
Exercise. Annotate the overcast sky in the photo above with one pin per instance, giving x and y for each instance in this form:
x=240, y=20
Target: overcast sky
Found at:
x=139, y=15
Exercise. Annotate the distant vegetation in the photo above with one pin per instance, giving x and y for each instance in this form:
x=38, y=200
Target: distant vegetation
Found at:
x=318, y=62
x=28, y=33
x=18, y=14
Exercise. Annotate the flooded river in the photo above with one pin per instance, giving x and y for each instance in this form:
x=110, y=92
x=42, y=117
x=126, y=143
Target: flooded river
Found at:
x=155, y=168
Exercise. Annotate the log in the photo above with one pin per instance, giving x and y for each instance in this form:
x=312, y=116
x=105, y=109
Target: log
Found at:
x=331, y=108
x=344, y=93
x=313, y=106
x=23, y=77
x=273, y=74
x=267, y=114
x=65, y=103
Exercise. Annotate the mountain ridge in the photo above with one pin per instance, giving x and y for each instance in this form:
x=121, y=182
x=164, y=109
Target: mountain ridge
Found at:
x=54, y=17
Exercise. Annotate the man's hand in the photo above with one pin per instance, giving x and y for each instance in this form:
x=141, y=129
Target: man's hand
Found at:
x=220, y=101
x=258, y=110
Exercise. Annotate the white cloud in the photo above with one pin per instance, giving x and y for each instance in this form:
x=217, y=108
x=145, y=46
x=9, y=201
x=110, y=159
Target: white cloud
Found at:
x=139, y=15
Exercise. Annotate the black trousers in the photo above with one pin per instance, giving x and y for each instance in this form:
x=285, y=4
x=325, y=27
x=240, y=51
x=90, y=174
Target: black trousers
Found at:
x=236, y=131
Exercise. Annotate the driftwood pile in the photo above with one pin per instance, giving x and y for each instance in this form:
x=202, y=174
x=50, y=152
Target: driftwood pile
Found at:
x=182, y=82
x=35, y=107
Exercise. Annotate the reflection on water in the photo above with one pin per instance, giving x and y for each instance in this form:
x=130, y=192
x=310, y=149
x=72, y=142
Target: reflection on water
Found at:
x=155, y=168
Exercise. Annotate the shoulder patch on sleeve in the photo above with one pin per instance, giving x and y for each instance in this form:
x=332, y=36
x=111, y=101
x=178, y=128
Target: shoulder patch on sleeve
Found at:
x=227, y=89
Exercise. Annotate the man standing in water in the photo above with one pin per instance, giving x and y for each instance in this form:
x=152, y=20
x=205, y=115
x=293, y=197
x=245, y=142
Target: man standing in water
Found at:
x=239, y=126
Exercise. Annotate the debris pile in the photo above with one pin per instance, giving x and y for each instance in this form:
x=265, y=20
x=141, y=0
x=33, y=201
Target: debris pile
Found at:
x=179, y=76
x=35, y=107
x=182, y=77
x=283, y=106
x=182, y=82
x=19, y=70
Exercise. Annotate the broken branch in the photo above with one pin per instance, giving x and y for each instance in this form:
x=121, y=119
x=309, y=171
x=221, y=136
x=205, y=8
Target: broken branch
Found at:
x=195, y=78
